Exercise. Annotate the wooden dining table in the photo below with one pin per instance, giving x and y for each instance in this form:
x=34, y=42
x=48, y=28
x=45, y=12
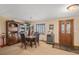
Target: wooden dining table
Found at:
x=31, y=39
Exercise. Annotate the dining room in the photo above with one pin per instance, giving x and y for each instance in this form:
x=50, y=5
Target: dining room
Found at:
x=38, y=29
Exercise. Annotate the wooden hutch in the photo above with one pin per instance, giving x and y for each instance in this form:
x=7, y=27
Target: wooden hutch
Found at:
x=11, y=32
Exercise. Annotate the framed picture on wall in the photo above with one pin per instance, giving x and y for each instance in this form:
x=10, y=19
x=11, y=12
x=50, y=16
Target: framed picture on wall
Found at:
x=51, y=27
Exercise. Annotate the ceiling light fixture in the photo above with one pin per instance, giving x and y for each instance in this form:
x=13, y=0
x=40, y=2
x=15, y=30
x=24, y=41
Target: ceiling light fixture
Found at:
x=73, y=7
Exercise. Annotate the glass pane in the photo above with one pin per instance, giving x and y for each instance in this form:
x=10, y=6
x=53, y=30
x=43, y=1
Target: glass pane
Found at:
x=62, y=28
x=68, y=27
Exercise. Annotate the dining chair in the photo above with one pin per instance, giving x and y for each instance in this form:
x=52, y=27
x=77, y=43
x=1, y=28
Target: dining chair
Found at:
x=23, y=40
x=36, y=34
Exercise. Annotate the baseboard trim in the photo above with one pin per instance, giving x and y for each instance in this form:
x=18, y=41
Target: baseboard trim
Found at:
x=76, y=47
x=43, y=40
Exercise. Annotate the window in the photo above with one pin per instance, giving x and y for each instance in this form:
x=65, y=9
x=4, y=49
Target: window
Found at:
x=40, y=28
x=62, y=27
x=68, y=27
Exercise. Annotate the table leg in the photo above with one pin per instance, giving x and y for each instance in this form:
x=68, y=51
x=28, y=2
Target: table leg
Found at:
x=31, y=44
x=35, y=43
x=53, y=45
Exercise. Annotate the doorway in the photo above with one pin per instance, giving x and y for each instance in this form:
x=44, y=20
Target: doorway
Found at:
x=66, y=33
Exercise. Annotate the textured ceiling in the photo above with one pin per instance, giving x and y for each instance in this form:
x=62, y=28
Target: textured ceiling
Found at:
x=35, y=11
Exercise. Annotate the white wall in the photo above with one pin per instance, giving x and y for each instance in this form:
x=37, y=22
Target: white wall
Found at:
x=56, y=29
x=2, y=25
x=76, y=31
x=47, y=23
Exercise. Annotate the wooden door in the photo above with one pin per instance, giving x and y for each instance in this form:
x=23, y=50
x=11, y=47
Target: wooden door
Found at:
x=66, y=33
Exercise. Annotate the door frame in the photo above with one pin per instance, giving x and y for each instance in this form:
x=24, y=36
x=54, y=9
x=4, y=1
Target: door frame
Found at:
x=72, y=31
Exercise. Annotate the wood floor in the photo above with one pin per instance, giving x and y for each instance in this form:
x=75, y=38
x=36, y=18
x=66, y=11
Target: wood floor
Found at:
x=43, y=49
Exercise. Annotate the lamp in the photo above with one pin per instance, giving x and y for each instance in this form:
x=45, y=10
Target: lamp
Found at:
x=73, y=7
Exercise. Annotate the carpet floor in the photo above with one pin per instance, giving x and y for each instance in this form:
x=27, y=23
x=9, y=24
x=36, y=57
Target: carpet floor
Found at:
x=43, y=49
